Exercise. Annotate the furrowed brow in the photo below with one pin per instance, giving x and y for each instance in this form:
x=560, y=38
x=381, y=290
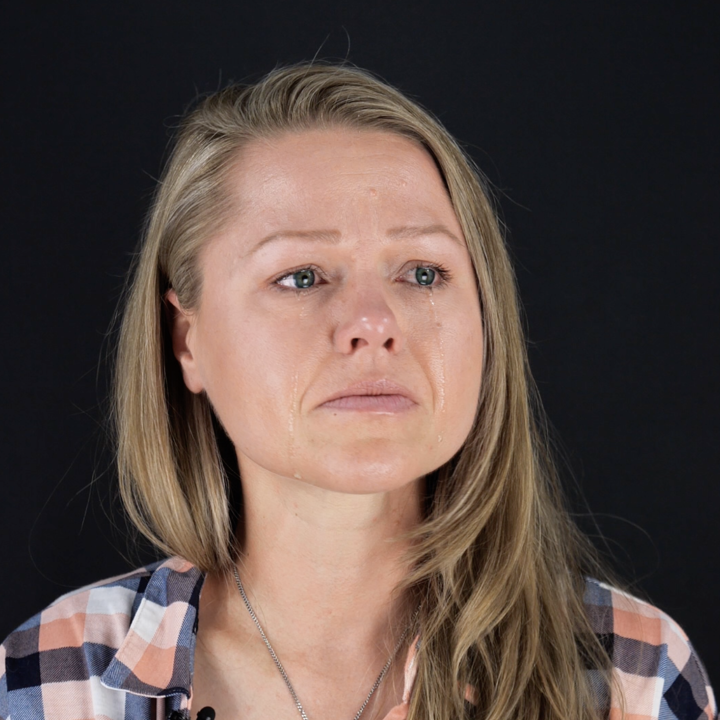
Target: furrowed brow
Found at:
x=333, y=236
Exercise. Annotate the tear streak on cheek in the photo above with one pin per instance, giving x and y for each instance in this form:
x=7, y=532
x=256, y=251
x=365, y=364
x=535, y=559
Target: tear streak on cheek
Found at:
x=294, y=411
x=291, y=426
x=441, y=367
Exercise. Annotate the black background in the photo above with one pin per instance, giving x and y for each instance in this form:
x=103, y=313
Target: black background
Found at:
x=596, y=122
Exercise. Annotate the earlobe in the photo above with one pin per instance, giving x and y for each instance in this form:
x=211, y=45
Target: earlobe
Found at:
x=181, y=324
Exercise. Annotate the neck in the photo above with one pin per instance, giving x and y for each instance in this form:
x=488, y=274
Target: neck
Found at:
x=323, y=561
x=321, y=570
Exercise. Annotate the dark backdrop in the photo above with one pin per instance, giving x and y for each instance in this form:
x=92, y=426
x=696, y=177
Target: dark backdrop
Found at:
x=597, y=124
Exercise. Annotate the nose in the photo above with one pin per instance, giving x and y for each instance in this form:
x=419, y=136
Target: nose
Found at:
x=367, y=324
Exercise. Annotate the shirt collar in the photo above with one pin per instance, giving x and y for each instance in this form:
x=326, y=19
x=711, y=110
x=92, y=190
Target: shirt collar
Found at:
x=156, y=657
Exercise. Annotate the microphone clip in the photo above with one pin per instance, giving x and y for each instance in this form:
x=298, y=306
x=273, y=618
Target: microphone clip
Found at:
x=206, y=713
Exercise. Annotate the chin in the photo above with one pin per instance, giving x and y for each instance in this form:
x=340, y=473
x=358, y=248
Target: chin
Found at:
x=365, y=474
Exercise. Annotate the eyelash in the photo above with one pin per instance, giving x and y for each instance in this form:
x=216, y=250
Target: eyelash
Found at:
x=443, y=277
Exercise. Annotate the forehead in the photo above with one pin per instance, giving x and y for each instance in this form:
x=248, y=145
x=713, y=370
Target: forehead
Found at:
x=338, y=176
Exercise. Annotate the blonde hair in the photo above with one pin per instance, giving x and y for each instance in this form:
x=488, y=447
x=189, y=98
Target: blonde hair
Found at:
x=498, y=561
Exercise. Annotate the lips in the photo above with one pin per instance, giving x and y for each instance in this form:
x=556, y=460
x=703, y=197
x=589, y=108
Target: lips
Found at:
x=375, y=395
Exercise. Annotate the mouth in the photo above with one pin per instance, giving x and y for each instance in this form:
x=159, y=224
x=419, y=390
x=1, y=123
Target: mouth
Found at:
x=379, y=396
x=371, y=403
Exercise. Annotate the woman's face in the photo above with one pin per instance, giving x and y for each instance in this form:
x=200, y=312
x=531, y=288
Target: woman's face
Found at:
x=338, y=334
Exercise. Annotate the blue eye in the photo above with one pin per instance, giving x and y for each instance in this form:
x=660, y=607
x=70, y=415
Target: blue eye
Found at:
x=304, y=278
x=424, y=275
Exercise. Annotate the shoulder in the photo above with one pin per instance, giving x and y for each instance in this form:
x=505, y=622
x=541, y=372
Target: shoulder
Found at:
x=74, y=642
x=105, y=607
x=656, y=670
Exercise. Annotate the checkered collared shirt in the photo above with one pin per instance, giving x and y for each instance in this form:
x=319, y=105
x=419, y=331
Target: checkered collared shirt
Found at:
x=122, y=649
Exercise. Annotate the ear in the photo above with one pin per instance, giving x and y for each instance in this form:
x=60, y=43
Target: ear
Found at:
x=182, y=332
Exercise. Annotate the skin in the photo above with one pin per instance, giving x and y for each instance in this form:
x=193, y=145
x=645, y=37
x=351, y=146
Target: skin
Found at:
x=326, y=489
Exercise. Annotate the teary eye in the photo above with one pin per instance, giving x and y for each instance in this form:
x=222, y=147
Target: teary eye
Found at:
x=299, y=279
x=424, y=275
x=429, y=275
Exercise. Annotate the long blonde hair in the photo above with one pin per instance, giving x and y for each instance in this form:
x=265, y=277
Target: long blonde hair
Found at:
x=498, y=561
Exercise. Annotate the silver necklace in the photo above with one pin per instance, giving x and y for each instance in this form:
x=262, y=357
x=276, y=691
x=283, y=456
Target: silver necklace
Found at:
x=279, y=666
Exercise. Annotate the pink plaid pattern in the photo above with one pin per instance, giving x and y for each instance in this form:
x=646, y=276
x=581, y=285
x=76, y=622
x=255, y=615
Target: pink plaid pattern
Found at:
x=123, y=649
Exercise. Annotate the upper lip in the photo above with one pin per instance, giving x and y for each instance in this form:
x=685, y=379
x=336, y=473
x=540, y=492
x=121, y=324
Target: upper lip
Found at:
x=372, y=387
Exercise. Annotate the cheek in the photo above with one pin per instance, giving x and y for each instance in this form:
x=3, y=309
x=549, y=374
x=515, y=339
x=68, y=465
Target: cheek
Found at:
x=248, y=366
x=463, y=350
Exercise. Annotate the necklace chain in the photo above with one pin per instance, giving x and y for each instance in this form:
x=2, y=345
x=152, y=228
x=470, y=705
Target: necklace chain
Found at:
x=285, y=677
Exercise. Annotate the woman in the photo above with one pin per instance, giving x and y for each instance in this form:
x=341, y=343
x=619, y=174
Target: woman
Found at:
x=323, y=314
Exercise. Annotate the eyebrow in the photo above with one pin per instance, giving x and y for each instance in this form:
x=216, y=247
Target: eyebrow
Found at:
x=334, y=236
x=412, y=231
x=328, y=236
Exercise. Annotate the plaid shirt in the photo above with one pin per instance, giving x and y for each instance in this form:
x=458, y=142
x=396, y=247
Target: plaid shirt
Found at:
x=123, y=649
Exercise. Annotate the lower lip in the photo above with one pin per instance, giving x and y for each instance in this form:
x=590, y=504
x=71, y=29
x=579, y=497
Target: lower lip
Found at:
x=371, y=403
